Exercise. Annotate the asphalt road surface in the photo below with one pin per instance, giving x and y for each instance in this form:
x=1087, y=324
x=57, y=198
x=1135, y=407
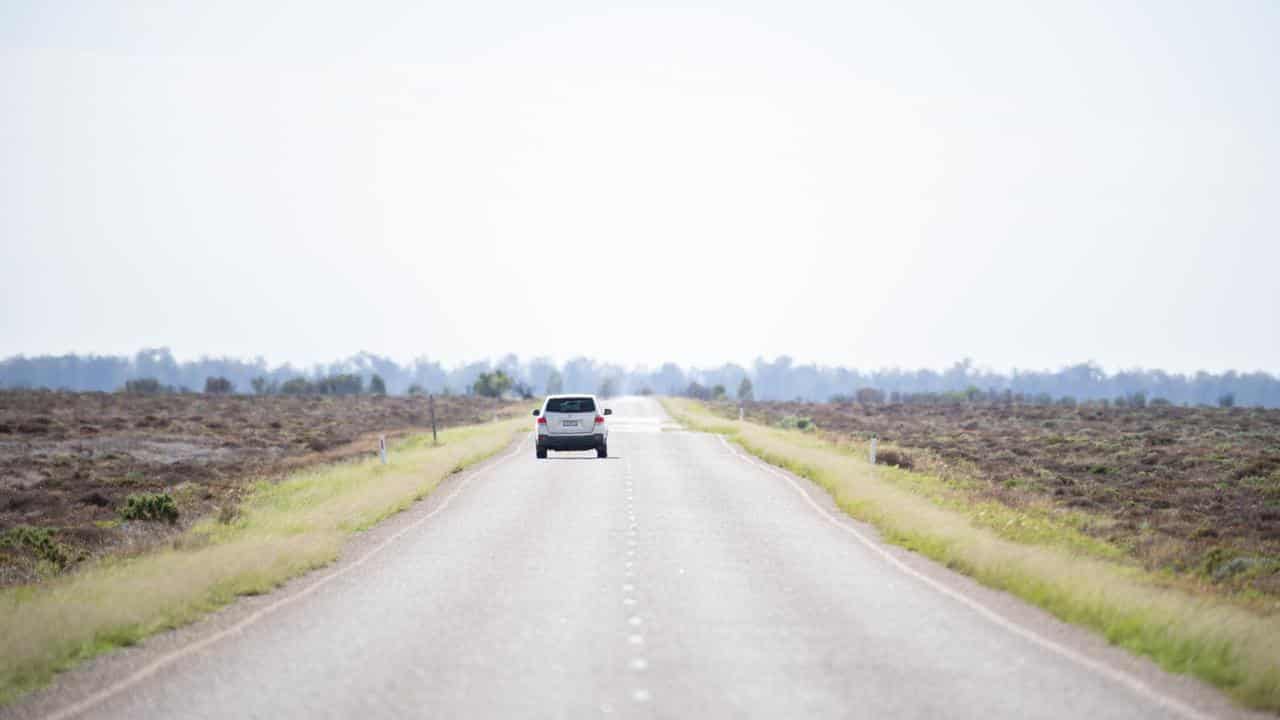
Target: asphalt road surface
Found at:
x=677, y=578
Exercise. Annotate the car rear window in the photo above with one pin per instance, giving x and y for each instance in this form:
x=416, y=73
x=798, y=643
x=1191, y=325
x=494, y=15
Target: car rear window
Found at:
x=571, y=405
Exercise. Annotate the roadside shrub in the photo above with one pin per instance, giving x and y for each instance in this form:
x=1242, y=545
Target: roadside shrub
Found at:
x=263, y=386
x=416, y=390
x=894, y=458
x=228, y=513
x=218, y=386
x=1227, y=400
x=377, y=386
x=150, y=506
x=40, y=542
x=793, y=422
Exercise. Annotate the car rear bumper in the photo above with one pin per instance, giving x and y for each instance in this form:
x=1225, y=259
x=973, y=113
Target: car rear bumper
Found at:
x=570, y=442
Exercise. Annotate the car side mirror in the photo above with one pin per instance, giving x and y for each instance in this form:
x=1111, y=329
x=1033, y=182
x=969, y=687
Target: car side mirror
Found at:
x=536, y=413
x=608, y=411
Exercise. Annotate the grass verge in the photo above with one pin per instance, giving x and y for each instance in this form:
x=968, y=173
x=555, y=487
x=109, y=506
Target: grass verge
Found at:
x=281, y=530
x=1041, y=559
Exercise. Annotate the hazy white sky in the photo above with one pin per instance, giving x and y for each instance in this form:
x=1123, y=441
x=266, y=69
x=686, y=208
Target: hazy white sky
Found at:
x=862, y=184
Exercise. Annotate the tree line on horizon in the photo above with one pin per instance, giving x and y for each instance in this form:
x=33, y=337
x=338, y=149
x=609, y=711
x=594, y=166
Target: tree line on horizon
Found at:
x=780, y=379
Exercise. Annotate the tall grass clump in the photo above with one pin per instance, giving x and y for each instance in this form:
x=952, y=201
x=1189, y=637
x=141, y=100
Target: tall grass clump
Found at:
x=1052, y=565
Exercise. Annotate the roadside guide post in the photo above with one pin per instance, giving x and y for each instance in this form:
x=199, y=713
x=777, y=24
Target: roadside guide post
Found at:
x=431, y=402
x=382, y=448
x=874, y=440
x=741, y=413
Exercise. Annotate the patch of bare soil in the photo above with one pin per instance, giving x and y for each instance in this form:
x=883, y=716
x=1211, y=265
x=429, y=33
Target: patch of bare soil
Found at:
x=69, y=460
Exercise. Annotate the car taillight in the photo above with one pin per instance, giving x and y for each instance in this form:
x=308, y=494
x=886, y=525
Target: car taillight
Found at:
x=542, y=421
x=599, y=419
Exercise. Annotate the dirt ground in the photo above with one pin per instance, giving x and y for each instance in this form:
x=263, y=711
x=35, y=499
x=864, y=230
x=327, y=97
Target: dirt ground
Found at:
x=68, y=461
x=1189, y=490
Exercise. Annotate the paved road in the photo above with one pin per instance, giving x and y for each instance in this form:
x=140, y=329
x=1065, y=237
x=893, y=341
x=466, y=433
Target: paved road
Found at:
x=675, y=579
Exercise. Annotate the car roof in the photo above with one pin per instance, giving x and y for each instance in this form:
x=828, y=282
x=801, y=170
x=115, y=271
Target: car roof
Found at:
x=572, y=395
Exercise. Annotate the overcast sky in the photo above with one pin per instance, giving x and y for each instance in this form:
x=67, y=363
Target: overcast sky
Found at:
x=862, y=184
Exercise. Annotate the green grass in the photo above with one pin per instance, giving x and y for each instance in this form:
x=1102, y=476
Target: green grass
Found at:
x=281, y=530
x=1039, y=555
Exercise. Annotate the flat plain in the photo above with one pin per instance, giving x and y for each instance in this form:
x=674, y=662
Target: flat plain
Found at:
x=1193, y=492
x=69, y=461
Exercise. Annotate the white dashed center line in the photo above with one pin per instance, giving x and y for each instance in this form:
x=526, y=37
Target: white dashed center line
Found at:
x=634, y=639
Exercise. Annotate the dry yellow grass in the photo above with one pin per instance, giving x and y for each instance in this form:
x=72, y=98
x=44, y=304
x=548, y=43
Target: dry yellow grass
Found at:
x=1226, y=645
x=283, y=530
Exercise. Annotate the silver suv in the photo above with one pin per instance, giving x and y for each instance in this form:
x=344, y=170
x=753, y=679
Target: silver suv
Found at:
x=572, y=422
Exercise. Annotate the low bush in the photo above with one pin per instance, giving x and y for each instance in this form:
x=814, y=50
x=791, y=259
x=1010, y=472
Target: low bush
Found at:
x=150, y=506
x=793, y=422
x=40, y=542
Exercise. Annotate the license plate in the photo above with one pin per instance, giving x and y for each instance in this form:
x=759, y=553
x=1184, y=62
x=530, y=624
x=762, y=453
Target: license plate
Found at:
x=569, y=423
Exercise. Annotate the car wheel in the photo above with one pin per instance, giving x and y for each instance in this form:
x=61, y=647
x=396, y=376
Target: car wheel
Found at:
x=602, y=451
x=542, y=453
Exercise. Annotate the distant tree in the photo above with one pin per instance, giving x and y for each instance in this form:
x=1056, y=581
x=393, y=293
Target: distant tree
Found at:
x=377, y=386
x=416, y=389
x=697, y=391
x=746, y=393
x=646, y=391
x=870, y=396
x=523, y=389
x=780, y=379
x=296, y=386
x=1138, y=399
x=339, y=384
x=555, y=383
x=608, y=388
x=491, y=384
x=218, y=386
x=145, y=386
x=719, y=393
x=1227, y=400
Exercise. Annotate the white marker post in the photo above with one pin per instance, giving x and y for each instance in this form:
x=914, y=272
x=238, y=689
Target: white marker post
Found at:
x=874, y=440
x=741, y=413
x=382, y=448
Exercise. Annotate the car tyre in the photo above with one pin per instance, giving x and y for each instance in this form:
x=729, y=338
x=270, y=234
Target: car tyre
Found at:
x=542, y=453
x=602, y=451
